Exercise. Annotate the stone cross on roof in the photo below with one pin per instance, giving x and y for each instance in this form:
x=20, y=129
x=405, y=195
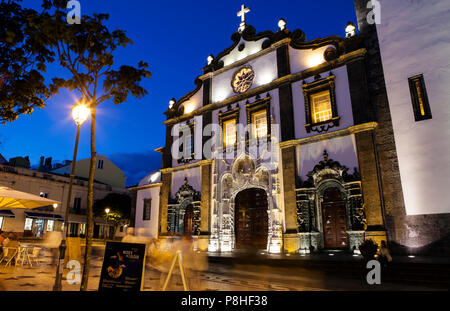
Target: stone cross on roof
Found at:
x=241, y=14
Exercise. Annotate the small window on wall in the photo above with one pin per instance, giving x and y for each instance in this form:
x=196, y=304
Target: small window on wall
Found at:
x=43, y=194
x=419, y=98
x=147, y=209
x=1, y=222
x=228, y=121
x=50, y=225
x=28, y=224
x=321, y=107
x=259, y=123
x=100, y=164
x=229, y=132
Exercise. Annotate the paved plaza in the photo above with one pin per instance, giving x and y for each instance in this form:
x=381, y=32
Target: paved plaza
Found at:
x=219, y=277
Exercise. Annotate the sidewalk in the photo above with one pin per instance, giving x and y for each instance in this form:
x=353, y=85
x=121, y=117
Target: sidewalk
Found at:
x=432, y=271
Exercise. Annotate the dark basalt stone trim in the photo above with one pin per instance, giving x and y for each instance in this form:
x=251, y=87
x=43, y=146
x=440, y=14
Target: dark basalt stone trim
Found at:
x=167, y=152
x=362, y=108
x=283, y=64
x=286, y=112
x=207, y=116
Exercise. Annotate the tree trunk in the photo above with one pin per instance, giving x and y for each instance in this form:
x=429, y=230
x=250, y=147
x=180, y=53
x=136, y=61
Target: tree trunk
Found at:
x=90, y=203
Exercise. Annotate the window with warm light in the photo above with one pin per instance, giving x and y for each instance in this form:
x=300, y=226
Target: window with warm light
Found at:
x=28, y=224
x=321, y=107
x=321, y=111
x=229, y=132
x=419, y=98
x=50, y=225
x=259, y=122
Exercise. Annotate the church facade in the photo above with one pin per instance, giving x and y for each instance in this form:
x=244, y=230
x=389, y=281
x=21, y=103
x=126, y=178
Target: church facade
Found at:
x=274, y=149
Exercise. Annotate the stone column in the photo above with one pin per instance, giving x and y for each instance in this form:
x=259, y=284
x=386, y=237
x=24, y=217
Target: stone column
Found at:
x=290, y=205
x=205, y=208
x=166, y=179
x=371, y=185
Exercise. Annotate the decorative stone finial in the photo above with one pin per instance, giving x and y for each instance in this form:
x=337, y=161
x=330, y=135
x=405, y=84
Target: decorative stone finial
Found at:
x=325, y=155
x=282, y=24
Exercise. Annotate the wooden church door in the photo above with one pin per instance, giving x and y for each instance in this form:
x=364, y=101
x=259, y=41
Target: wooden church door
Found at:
x=334, y=220
x=189, y=221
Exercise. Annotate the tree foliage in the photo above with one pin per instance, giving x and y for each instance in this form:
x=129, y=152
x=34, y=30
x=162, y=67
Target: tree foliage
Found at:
x=86, y=51
x=120, y=208
x=23, y=61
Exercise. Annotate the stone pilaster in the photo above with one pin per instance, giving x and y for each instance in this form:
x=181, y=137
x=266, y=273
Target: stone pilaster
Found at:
x=205, y=207
x=166, y=179
x=290, y=206
x=371, y=185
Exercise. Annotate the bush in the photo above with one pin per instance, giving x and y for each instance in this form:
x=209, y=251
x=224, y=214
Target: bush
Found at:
x=368, y=249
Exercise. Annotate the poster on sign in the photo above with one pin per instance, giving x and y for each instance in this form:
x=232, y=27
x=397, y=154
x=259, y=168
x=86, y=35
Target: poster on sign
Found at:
x=123, y=267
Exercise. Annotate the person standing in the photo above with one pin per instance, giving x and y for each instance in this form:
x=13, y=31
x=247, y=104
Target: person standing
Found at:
x=384, y=256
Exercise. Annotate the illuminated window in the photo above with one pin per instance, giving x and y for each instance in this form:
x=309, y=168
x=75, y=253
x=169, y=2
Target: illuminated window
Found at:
x=259, y=123
x=82, y=228
x=321, y=107
x=419, y=98
x=28, y=224
x=50, y=225
x=1, y=222
x=321, y=112
x=228, y=121
x=229, y=129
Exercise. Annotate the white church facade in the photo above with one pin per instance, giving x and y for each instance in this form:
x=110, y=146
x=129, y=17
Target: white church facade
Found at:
x=278, y=148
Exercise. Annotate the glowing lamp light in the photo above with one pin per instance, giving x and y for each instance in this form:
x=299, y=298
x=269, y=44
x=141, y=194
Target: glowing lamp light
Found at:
x=107, y=210
x=55, y=205
x=350, y=30
x=80, y=113
x=315, y=59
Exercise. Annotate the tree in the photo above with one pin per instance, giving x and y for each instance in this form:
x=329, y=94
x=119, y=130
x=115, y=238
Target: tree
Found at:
x=23, y=59
x=86, y=53
x=119, y=206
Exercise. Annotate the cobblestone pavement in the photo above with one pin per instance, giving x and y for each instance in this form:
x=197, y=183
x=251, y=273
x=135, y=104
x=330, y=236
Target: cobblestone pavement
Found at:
x=218, y=277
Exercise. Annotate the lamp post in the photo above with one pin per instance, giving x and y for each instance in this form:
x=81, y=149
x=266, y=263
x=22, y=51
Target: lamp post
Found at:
x=80, y=114
x=107, y=210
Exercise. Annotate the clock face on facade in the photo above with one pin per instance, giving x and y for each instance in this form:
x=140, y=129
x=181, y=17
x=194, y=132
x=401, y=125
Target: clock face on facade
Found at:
x=243, y=79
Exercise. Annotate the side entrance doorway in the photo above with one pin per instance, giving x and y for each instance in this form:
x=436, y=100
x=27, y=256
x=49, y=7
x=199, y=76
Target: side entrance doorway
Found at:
x=334, y=220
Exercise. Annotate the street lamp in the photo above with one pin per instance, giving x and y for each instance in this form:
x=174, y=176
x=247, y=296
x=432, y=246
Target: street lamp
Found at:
x=107, y=210
x=80, y=113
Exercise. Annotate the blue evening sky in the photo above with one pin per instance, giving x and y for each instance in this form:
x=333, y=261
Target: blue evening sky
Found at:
x=174, y=38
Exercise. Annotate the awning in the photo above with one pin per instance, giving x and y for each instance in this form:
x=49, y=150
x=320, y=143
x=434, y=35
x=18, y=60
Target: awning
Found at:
x=7, y=213
x=44, y=216
x=10, y=199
